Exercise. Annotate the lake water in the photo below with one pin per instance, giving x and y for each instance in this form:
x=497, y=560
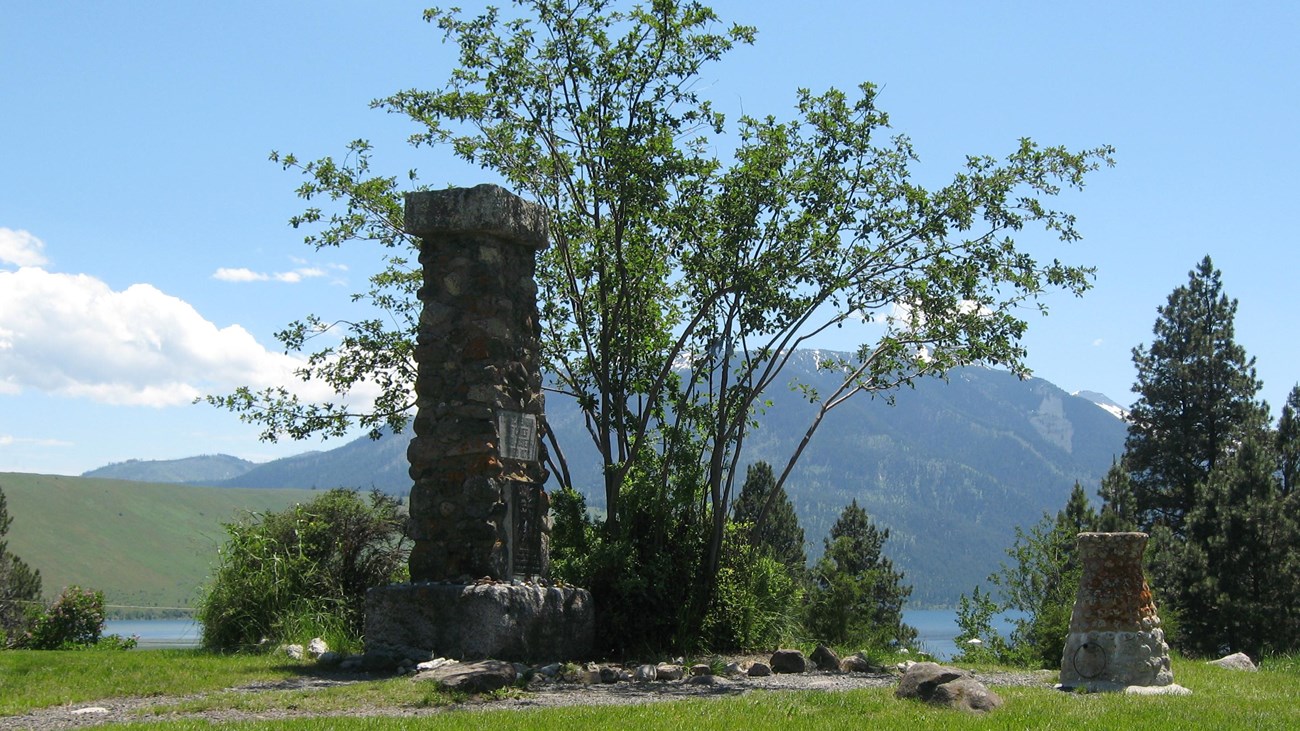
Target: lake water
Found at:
x=935, y=628
x=156, y=634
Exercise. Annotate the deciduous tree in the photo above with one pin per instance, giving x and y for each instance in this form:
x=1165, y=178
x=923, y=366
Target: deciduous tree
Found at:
x=686, y=268
x=1044, y=579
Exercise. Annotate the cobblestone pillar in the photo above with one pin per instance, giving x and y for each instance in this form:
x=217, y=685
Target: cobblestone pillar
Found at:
x=477, y=504
x=478, y=510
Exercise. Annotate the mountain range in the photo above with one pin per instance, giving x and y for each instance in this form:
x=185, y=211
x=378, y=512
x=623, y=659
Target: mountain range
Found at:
x=952, y=468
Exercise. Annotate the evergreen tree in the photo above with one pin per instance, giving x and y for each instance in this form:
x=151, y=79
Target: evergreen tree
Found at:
x=857, y=596
x=1288, y=442
x=1197, y=397
x=19, y=584
x=1230, y=596
x=780, y=534
x=1118, y=511
x=1287, y=559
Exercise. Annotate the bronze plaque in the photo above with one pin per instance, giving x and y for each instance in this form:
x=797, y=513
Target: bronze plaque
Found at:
x=526, y=540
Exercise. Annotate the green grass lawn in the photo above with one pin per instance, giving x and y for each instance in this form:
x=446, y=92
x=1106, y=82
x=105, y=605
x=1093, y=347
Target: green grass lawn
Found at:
x=1221, y=699
x=38, y=679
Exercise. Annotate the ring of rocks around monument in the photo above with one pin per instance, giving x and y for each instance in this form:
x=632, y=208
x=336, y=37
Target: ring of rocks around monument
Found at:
x=479, y=593
x=1115, y=642
x=479, y=603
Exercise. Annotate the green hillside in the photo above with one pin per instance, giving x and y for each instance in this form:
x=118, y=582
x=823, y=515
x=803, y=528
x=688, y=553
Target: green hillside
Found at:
x=142, y=544
x=207, y=469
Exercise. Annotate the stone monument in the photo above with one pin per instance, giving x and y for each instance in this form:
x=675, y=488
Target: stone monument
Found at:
x=1115, y=641
x=479, y=514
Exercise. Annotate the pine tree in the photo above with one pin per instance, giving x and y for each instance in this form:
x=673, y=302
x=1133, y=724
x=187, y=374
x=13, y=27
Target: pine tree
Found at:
x=1197, y=397
x=1286, y=550
x=1230, y=596
x=19, y=584
x=780, y=535
x=1288, y=442
x=857, y=596
x=1118, y=511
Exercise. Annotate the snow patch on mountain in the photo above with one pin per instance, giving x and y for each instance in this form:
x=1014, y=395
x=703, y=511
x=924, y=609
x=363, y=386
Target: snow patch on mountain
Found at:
x=1104, y=402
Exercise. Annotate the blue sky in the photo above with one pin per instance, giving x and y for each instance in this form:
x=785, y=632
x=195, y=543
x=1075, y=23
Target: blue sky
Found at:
x=145, y=256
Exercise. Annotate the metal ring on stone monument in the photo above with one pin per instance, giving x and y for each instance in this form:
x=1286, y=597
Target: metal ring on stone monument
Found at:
x=1093, y=652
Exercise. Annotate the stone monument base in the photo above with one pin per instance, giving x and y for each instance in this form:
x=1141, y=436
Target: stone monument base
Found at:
x=1107, y=662
x=520, y=622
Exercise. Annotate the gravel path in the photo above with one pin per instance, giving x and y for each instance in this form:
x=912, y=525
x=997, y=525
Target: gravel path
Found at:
x=122, y=710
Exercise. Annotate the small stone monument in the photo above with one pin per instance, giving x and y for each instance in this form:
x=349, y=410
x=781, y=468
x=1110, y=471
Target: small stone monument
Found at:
x=479, y=513
x=1115, y=641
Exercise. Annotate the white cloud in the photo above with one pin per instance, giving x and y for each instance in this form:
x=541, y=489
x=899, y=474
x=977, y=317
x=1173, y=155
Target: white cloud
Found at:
x=72, y=335
x=20, y=248
x=8, y=440
x=297, y=275
x=238, y=275
x=241, y=274
x=1097, y=343
x=908, y=317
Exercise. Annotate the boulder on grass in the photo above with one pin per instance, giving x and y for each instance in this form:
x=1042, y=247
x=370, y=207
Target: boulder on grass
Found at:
x=946, y=686
x=1235, y=661
x=317, y=647
x=966, y=694
x=669, y=671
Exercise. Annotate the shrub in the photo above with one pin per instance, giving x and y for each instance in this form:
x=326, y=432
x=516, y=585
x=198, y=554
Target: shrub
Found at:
x=573, y=537
x=641, y=573
x=977, y=641
x=75, y=621
x=303, y=572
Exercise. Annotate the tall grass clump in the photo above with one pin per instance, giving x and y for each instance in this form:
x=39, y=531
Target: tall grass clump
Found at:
x=303, y=572
x=758, y=604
